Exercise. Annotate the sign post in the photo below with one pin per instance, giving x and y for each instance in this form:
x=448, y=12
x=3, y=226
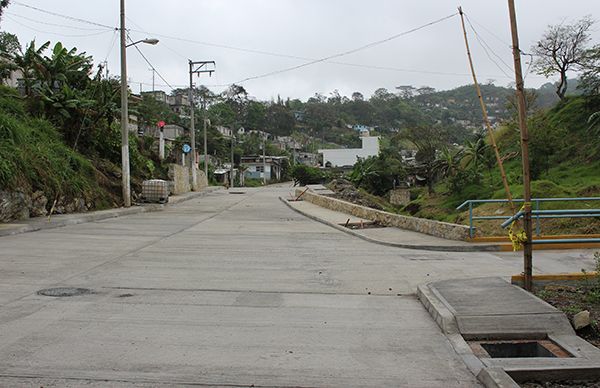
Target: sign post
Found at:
x=161, y=141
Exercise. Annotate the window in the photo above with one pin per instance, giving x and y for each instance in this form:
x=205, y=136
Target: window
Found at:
x=260, y=168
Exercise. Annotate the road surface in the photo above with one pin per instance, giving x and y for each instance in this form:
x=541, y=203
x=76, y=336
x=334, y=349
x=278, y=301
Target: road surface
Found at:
x=228, y=290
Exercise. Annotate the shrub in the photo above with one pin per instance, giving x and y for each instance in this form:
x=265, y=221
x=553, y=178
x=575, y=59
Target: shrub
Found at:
x=306, y=175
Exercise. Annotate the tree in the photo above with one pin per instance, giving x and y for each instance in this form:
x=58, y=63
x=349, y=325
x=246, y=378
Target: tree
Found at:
x=589, y=81
x=561, y=49
x=3, y=4
x=427, y=139
x=406, y=91
x=357, y=96
x=9, y=49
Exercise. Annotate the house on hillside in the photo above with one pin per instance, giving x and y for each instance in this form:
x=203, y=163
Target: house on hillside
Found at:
x=347, y=156
x=270, y=168
x=307, y=159
x=225, y=131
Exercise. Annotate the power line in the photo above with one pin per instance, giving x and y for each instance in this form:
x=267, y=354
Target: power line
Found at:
x=62, y=16
x=52, y=24
x=268, y=53
x=484, y=45
x=150, y=64
x=57, y=33
x=344, y=53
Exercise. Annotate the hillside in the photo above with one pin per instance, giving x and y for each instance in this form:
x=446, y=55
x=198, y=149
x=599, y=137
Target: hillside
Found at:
x=565, y=162
x=39, y=172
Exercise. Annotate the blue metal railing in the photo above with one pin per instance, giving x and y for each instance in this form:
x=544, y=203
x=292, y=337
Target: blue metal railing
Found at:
x=537, y=213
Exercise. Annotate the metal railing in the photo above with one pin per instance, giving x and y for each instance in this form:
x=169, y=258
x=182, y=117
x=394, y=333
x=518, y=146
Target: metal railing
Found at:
x=537, y=213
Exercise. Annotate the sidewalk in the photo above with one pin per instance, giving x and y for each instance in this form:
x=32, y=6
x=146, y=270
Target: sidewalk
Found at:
x=389, y=236
x=56, y=221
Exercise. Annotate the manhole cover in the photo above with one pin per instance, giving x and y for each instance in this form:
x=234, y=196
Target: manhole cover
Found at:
x=65, y=291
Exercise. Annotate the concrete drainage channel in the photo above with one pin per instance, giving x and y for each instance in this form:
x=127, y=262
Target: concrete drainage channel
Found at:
x=509, y=338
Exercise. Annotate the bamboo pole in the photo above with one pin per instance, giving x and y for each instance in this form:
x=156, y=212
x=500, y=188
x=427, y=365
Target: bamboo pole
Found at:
x=527, y=246
x=486, y=119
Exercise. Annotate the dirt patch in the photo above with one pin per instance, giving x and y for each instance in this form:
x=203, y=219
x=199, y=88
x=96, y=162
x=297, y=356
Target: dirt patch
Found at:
x=345, y=190
x=572, y=300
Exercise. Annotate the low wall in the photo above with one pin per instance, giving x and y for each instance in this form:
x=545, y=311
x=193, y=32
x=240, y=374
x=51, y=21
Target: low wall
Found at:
x=400, y=197
x=182, y=179
x=421, y=225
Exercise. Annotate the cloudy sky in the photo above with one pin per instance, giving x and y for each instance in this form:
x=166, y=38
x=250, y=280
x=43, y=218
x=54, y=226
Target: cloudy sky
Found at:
x=249, y=38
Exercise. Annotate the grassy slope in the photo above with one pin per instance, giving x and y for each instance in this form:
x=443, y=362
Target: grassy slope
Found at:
x=572, y=156
x=33, y=157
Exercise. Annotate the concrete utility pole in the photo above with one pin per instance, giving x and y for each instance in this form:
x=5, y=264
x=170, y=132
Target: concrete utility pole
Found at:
x=232, y=178
x=197, y=68
x=124, y=114
x=153, y=73
x=125, y=172
x=264, y=160
x=527, y=246
x=206, y=123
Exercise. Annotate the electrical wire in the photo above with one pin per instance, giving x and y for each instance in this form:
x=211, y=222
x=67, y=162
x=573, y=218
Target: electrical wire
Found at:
x=247, y=50
x=348, y=52
x=487, y=47
x=57, y=33
x=53, y=24
x=150, y=64
x=61, y=15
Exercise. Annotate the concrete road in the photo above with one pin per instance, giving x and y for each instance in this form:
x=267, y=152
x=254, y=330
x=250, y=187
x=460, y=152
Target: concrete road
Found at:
x=228, y=290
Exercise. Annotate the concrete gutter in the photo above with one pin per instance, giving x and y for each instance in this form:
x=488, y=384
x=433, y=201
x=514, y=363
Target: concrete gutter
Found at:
x=440, y=248
x=57, y=221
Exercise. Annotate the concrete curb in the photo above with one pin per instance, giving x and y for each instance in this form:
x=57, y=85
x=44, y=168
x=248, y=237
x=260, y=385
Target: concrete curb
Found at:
x=81, y=218
x=437, y=309
x=583, y=364
x=440, y=248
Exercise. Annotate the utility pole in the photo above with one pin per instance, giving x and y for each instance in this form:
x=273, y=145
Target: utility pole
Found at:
x=485, y=116
x=231, y=177
x=527, y=246
x=124, y=114
x=197, y=67
x=206, y=123
x=264, y=160
x=153, y=73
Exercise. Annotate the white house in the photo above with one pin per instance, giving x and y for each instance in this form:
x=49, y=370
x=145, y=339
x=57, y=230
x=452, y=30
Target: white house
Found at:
x=347, y=156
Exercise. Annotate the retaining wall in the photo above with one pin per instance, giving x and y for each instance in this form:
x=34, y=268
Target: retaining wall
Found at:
x=182, y=179
x=433, y=228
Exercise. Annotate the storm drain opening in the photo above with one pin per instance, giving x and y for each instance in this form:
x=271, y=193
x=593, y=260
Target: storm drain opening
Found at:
x=362, y=225
x=518, y=349
x=237, y=192
x=61, y=292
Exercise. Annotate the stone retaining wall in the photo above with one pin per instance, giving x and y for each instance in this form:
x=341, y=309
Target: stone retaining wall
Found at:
x=433, y=228
x=182, y=179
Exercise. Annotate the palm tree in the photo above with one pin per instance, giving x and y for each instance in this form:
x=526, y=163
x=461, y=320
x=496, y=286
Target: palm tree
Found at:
x=474, y=152
x=447, y=163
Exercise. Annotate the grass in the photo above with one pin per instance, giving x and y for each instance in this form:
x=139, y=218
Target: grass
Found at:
x=566, y=161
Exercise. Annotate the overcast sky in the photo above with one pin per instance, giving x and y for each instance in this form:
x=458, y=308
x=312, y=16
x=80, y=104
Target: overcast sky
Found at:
x=309, y=29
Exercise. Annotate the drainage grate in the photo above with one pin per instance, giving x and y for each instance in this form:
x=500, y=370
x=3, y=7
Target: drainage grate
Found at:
x=518, y=349
x=61, y=292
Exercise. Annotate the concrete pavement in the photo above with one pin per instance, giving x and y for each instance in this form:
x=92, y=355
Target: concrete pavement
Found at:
x=228, y=290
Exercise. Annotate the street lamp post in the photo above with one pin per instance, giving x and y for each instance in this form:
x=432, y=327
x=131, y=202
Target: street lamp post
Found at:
x=124, y=109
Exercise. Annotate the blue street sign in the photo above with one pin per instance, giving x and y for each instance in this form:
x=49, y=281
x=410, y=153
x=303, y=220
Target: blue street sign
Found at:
x=187, y=148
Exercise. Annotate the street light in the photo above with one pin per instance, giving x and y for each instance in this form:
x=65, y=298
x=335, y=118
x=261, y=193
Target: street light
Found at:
x=124, y=108
x=151, y=41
